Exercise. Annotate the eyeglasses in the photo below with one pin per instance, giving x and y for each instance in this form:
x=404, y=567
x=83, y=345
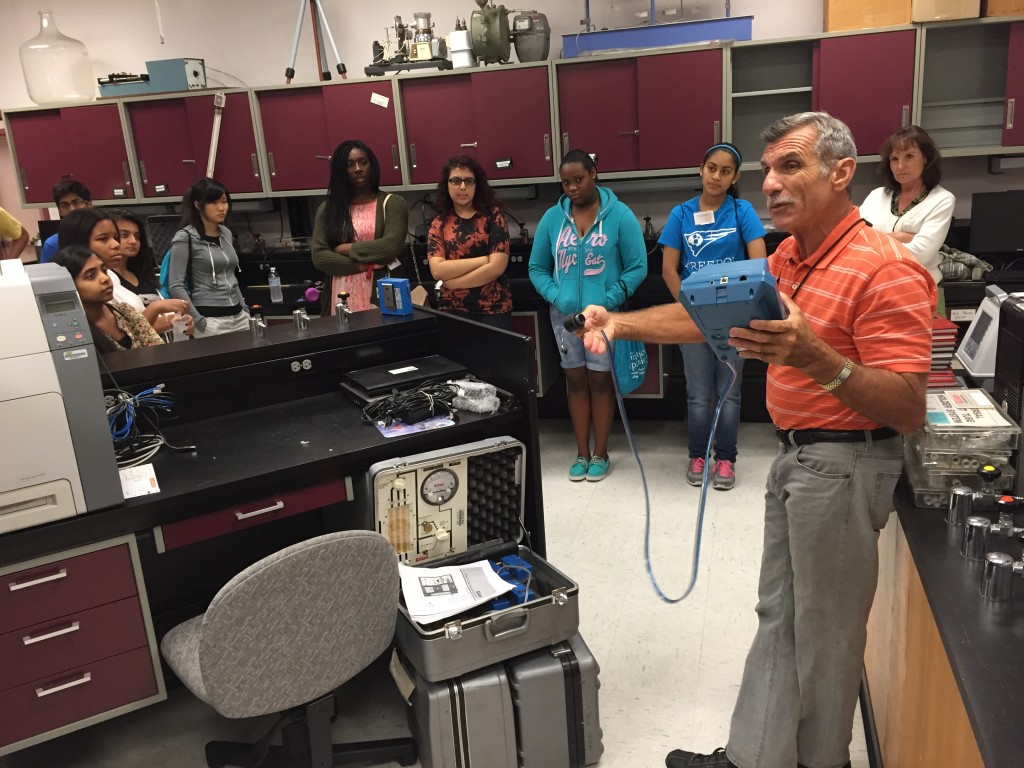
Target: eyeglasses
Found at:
x=458, y=181
x=71, y=205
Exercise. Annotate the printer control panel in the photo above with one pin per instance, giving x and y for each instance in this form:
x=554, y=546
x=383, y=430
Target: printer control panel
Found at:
x=64, y=320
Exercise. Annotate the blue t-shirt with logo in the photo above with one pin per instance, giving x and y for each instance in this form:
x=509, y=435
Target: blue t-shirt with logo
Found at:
x=714, y=242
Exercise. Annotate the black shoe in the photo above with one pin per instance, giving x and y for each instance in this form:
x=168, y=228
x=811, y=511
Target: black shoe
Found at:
x=680, y=758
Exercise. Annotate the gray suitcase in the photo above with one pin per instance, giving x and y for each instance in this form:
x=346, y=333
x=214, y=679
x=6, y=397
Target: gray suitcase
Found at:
x=473, y=496
x=467, y=722
x=554, y=693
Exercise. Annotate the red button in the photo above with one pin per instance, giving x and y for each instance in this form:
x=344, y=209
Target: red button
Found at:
x=78, y=336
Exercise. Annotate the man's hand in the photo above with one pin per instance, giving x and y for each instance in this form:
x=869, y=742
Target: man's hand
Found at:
x=599, y=320
x=780, y=342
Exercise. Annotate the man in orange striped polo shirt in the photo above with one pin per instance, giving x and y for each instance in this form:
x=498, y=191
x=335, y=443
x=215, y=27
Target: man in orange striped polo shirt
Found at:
x=846, y=378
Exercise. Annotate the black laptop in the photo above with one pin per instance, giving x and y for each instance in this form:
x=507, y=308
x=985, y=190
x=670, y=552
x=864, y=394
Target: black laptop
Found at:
x=382, y=380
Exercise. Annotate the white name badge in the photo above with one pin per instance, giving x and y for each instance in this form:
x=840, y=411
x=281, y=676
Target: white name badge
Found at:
x=704, y=217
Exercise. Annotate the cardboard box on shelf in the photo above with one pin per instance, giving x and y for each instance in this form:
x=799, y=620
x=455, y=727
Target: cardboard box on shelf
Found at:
x=842, y=15
x=1002, y=8
x=944, y=10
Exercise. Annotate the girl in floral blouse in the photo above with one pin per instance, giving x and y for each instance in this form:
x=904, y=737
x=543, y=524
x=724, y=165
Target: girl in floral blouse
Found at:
x=115, y=327
x=468, y=245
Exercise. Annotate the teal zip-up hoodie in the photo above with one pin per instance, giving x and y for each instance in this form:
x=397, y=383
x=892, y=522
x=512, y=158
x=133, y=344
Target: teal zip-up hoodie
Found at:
x=603, y=267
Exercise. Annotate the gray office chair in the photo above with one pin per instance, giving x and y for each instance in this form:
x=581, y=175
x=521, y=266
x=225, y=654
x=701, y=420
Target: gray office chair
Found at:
x=281, y=636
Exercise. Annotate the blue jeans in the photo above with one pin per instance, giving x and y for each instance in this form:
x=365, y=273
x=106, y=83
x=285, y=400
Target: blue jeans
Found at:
x=706, y=380
x=824, y=506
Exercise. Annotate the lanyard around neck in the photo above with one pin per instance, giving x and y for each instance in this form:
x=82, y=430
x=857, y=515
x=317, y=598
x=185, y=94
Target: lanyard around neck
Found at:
x=823, y=256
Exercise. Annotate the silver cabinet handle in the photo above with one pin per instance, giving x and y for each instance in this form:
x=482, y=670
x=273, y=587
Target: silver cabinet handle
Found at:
x=126, y=173
x=469, y=146
x=189, y=162
x=40, y=692
x=716, y=131
x=1010, y=104
x=23, y=177
x=322, y=157
x=412, y=154
x=29, y=639
x=14, y=586
x=905, y=120
x=270, y=159
x=142, y=170
x=255, y=166
x=256, y=512
x=630, y=133
x=547, y=146
x=565, y=142
x=394, y=155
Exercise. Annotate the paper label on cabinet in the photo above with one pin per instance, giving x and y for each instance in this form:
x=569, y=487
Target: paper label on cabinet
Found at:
x=379, y=100
x=704, y=217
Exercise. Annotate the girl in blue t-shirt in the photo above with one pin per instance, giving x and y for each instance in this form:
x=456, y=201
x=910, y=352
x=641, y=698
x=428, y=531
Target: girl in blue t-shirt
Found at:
x=712, y=228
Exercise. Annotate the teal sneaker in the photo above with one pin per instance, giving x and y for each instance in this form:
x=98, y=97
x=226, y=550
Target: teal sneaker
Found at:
x=598, y=469
x=578, y=470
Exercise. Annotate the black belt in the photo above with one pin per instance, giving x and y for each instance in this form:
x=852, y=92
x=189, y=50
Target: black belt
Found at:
x=230, y=311
x=798, y=437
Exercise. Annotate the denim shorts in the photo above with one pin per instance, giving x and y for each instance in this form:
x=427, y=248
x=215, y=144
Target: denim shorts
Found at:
x=570, y=347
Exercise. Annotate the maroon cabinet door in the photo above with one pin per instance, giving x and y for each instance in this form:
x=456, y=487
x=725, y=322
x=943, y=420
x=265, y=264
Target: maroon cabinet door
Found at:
x=1013, y=114
x=439, y=123
x=350, y=114
x=163, y=147
x=295, y=137
x=680, y=98
x=39, y=143
x=597, y=108
x=83, y=143
x=867, y=81
x=513, y=135
x=236, y=165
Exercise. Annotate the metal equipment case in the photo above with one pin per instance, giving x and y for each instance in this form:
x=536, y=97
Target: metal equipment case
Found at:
x=538, y=710
x=467, y=501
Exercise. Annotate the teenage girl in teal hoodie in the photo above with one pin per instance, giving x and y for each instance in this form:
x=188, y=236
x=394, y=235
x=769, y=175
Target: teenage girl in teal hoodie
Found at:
x=588, y=250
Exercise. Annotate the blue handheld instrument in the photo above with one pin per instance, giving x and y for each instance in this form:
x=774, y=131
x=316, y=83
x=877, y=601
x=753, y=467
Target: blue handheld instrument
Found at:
x=729, y=295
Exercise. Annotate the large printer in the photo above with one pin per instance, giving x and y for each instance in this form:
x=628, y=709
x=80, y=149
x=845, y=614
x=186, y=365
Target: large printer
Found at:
x=56, y=454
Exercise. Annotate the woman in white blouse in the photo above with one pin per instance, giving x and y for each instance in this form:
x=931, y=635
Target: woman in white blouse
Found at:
x=911, y=206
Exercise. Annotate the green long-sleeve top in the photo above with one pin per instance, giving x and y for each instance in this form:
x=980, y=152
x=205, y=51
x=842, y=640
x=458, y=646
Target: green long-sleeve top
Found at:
x=389, y=240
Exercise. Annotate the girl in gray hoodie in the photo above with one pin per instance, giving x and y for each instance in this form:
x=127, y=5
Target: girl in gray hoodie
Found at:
x=203, y=262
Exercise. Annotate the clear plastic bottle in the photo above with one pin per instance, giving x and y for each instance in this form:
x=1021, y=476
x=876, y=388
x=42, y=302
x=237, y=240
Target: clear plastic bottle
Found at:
x=57, y=68
x=274, y=281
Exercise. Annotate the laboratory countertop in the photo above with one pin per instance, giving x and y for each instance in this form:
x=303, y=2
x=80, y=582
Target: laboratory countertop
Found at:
x=982, y=638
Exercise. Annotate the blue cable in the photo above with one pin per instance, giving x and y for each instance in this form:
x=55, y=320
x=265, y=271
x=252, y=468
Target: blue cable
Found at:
x=647, y=496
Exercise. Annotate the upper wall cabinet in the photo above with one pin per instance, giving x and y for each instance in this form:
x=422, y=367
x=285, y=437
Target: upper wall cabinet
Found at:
x=501, y=117
x=172, y=139
x=646, y=113
x=85, y=143
x=972, y=84
x=866, y=80
x=302, y=126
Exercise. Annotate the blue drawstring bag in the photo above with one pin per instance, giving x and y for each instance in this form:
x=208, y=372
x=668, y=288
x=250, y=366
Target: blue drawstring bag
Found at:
x=629, y=359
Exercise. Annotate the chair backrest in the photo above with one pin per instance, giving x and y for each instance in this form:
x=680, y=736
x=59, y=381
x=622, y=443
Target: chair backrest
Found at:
x=299, y=623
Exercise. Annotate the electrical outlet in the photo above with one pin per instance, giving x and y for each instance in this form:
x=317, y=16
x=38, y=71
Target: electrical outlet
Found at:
x=301, y=365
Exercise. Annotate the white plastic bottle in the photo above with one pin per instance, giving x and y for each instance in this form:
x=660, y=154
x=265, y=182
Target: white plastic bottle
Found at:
x=274, y=281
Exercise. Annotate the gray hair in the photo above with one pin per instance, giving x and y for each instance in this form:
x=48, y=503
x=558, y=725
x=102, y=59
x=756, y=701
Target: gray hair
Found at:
x=835, y=140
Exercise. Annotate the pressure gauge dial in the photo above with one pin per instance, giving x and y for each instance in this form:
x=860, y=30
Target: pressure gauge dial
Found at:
x=439, y=486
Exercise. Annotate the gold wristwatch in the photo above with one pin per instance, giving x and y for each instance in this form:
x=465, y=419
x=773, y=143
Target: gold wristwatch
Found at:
x=840, y=379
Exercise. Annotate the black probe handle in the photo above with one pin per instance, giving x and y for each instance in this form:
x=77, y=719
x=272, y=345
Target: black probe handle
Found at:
x=574, y=322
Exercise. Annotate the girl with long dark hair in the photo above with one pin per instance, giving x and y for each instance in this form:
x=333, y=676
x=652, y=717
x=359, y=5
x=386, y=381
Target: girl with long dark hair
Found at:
x=359, y=232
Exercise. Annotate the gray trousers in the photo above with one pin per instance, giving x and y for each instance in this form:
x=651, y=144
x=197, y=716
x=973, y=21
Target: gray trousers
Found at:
x=230, y=324
x=824, y=506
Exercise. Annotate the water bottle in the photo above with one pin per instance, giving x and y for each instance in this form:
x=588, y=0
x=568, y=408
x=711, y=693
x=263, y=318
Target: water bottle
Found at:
x=276, y=294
